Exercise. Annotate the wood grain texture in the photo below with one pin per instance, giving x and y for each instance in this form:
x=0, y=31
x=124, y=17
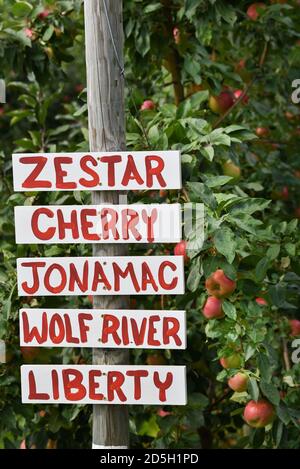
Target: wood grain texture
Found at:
x=105, y=89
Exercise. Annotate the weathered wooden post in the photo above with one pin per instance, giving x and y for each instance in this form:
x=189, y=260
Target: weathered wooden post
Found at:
x=105, y=90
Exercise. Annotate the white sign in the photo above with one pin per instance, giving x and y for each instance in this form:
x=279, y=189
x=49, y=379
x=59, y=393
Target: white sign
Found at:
x=98, y=224
x=128, y=275
x=100, y=384
x=97, y=328
x=97, y=171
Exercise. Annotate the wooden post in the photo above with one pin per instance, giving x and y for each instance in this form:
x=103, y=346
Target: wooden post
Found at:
x=105, y=90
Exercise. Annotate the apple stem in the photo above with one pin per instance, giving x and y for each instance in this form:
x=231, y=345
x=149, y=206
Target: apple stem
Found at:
x=286, y=357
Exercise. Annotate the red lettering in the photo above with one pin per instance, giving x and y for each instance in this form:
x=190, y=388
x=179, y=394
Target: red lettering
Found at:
x=123, y=274
x=152, y=171
x=71, y=225
x=171, y=327
x=84, y=166
x=55, y=388
x=56, y=323
x=115, y=380
x=69, y=338
x=138, y=335
x=61, y=173
x=100, y=277
x=131, y=173
x=44, y=235
x=152, y=331
x=110, y=326
x=82, y=283
x=147, y=277
x=150, y=222
x=30, y=335
x=86, y=225
x=93, y=386
x=111, y=161
x=73, y=388
x=137, y=375
x=129, y=225
x=109, y=225
x=32, y=389
x=36, y=280
x=162, y=385
x=31, y=181
x=161, y=278
x=59, y=288
x=83, y=328
x=125, y=335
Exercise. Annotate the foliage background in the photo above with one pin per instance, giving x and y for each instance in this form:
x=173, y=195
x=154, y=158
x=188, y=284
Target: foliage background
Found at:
x=251, y=231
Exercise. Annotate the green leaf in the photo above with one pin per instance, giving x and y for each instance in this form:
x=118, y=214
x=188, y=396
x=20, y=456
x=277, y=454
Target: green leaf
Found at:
x=194, y=277
x=262, y=268
x=204, y=193
x=225, y=243
x=253, y=389
x=217, y=181
x=258, y=437
x=48, y=33
x=270, y=392
x=283, y=413
x=273, y=251
x=21, y=9
x=229, y=310
x=264, y=367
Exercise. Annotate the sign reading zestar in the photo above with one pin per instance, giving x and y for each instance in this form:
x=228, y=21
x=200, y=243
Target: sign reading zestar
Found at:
x=97, y=171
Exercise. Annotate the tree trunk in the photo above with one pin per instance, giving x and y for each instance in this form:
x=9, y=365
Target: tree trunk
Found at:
x=105, y=89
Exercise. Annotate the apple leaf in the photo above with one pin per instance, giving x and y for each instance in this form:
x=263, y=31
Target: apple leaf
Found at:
x=270, y=392
x=253, y=389
x=225, y=243
x=264, y=367
x=283, y=413
x=229, y=310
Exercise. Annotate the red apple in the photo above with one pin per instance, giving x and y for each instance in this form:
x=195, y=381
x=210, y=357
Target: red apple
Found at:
x=219, y=285
x=297, y=212
x=238, y=382
x=284, y=193
x=148, y=105
x=23, y=444
x=156, y=359
x=261, y=301
x=262, y=131
x=44, y=14
x=231, y=169
x=79, y=87
x=177, y=35
x=238, y=93
x=213, y=308
x=163, y=413
x=180, y=250
x=2, y=111
x=232, y=361
x=29, y=353
x=29, y=33
x=221, y=103
x=253, y=10
x=91, y=299
x=295, y=327
x=163, y=193
x=259, y=414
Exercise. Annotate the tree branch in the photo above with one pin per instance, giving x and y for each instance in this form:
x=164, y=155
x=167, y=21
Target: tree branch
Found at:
x=247, y=88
